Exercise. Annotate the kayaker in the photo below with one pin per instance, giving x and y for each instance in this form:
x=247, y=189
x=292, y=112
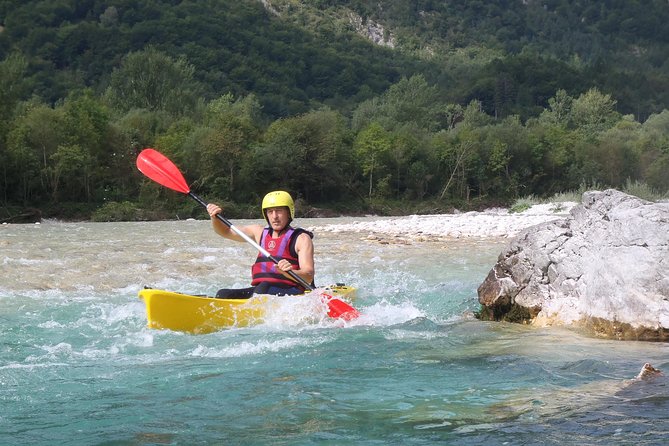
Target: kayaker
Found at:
x=294, y=246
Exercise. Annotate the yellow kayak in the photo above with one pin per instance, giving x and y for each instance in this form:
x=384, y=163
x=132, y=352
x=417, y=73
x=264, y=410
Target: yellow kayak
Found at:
x=202, y=314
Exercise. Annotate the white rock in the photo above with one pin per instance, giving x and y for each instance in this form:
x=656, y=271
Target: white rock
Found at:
x=604, y=265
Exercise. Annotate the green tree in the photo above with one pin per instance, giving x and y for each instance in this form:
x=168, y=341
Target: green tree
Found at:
x=618, y=153
x=408, y=102
x=88, y=132
x=371, y=145
x=42, y=130
x=79, y=129
x=405, y=149
x=511, y=162
x=418, y=179
x=152, y=80
x=560, y=107
x=474, y=116
x=235, y=126
x=498, y=162
x=552, y=153
x=22, y=167
x=654, y=148
x=141, y=127
x=365, y=113
x=309, y=154
x=452, y=114
x=455, y=151
x=594, y=111
x=412, y=101
x=176, y=144
x=12, y=89
x=71, y=171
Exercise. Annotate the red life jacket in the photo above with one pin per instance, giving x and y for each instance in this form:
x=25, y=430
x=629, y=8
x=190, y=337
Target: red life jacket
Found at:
x=281, y=247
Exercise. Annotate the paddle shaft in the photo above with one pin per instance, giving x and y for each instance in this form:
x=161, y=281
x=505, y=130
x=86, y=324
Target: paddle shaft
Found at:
x=253, y=243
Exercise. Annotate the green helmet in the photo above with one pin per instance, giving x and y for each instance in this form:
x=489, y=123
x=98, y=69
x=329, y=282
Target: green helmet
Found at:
x=277, y=199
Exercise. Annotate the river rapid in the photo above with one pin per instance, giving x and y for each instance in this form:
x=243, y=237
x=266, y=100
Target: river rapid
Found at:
x=78, y=366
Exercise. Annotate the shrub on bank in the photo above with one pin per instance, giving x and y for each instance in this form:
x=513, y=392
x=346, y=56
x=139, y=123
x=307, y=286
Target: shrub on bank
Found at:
x=114, y=211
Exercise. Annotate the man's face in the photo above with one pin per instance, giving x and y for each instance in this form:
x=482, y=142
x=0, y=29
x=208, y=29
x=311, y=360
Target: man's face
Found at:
x=278, y=217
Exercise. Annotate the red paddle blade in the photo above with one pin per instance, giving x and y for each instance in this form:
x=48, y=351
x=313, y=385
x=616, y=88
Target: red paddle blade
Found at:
x=338, y=309
x=160, y=169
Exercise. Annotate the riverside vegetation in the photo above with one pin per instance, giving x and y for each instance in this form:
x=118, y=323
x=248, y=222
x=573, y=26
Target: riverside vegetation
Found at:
x=460, y=104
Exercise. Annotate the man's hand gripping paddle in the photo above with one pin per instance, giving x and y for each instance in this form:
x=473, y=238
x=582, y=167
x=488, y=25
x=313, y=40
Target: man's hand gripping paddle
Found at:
x=160, y=169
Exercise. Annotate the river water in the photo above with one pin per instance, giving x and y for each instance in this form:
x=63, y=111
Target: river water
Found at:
x=79, y=367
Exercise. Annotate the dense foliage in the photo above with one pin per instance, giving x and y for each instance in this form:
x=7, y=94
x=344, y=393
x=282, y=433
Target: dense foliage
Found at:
x=479, y=101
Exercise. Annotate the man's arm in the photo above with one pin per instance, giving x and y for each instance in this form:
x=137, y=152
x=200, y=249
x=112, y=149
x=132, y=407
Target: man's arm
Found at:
x=253, y=231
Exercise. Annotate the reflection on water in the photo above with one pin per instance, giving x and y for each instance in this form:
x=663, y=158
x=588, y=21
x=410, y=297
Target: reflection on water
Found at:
x=79, y=366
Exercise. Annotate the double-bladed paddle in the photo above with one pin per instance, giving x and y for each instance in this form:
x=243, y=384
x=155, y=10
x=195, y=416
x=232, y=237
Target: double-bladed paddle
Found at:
x=160, y=169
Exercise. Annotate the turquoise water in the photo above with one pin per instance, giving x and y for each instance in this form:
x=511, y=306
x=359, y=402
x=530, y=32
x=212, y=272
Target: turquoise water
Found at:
x=79, y=367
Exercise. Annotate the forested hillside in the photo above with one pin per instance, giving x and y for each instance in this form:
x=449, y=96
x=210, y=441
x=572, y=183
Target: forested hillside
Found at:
x=512, y=54
x=346, y=104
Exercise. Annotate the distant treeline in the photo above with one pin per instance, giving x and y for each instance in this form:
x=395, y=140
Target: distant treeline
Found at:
x=476, y=105
x=401, y=145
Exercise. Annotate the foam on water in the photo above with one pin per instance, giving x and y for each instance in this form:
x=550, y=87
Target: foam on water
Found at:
x=255, y=349
x=383, y=313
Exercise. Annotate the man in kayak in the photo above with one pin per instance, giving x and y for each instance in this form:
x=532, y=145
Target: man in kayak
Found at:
x=293, y=246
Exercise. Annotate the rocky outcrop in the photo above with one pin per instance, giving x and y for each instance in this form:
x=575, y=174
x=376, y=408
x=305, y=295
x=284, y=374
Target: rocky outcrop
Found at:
x=371, y=30
x=604, y=268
